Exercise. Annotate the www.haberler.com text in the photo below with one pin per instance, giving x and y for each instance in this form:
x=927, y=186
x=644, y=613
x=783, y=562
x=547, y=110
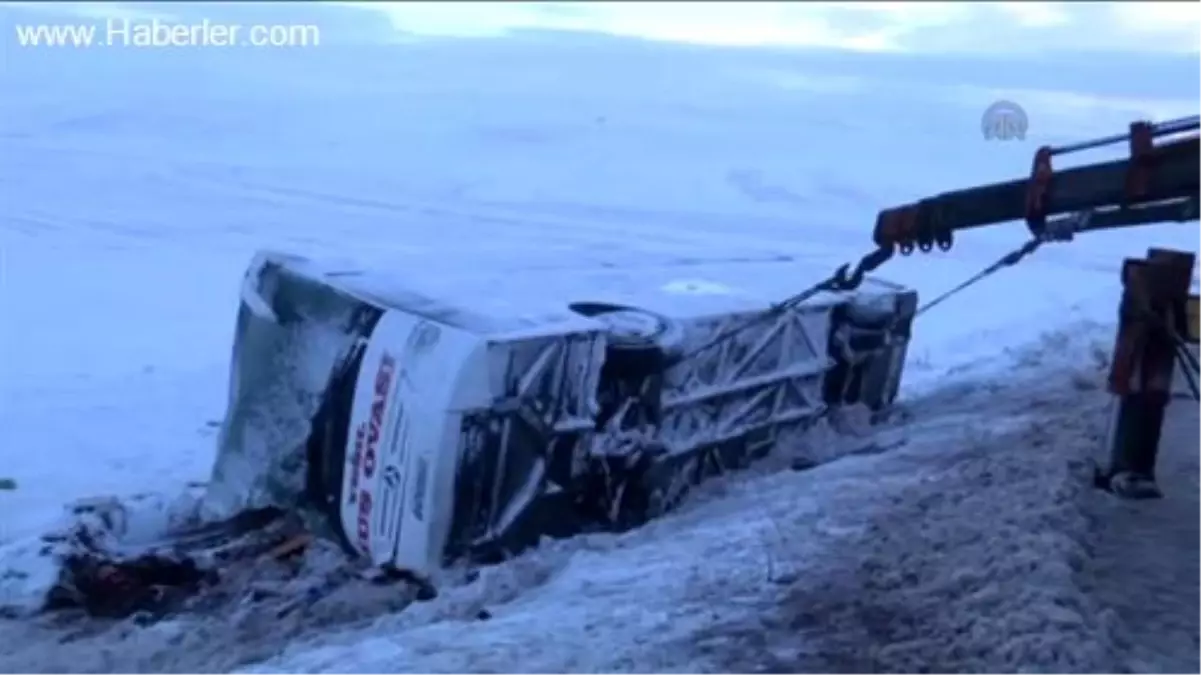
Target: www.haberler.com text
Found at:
x=156, y=33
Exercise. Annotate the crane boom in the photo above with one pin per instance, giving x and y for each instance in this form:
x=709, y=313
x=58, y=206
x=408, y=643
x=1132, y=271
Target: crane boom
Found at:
x=1158, y=182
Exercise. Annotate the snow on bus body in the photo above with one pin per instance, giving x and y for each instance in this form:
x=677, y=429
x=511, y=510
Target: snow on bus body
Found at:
x=437, y=417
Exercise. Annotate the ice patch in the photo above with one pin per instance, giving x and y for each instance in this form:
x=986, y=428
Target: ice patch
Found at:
x=698, y=287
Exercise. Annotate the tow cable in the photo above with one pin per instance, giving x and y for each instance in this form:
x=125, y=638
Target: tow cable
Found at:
x=844, y=279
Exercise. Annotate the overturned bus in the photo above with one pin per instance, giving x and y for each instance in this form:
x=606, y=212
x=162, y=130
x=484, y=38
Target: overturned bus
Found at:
x=419, y=423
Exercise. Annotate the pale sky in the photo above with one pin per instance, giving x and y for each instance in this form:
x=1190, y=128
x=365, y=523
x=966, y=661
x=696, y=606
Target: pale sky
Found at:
x=943, y=27
x=870, y=26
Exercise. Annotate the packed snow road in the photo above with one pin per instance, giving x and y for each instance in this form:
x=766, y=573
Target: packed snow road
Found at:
x=973, y=543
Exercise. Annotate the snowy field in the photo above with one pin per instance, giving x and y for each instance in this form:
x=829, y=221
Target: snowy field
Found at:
x=135, y=185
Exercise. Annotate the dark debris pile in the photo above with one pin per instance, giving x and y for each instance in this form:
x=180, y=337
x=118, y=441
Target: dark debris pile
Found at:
x=103, y=578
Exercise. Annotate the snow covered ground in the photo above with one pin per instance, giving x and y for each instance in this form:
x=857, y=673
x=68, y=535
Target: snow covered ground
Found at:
x=136, y=184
